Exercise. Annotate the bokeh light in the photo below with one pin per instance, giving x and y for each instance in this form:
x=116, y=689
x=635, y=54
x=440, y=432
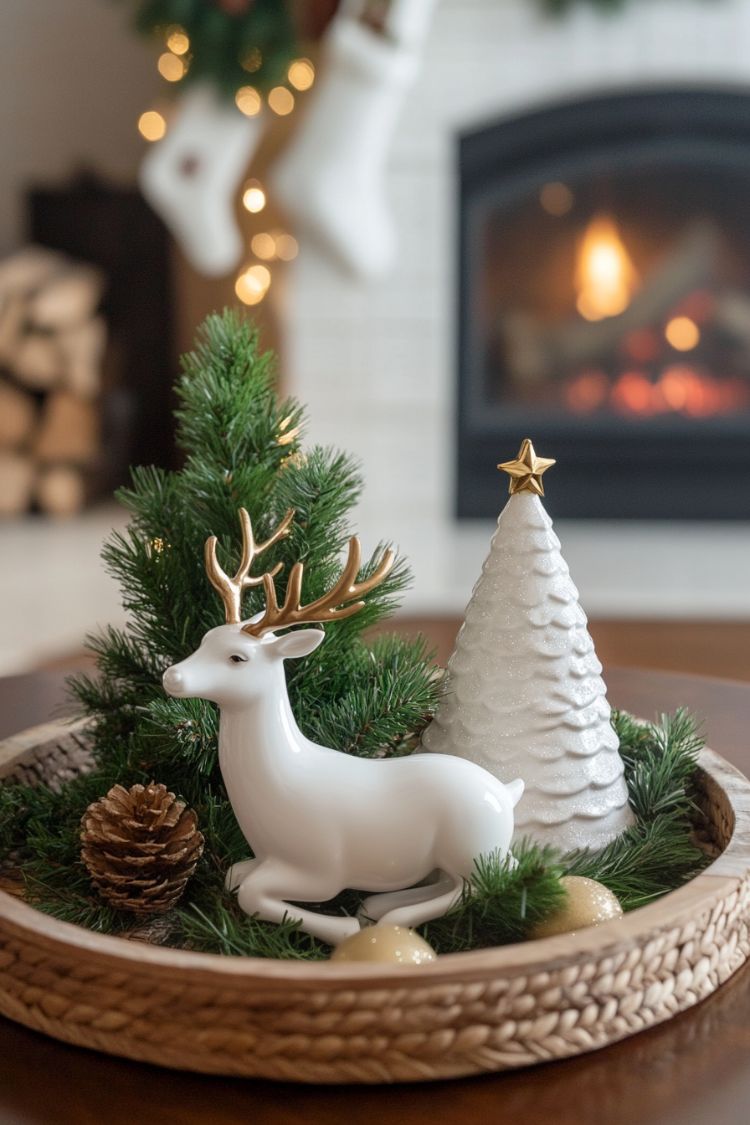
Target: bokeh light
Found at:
x=171, y=67
x=263, y=245
x=287, y=246
x=151, y=125
x=248, y=101
x=252, y=284
x=301, y=74
x=556, y=198
x=177, y=41
x=253, y=197
x=682, y=333
x=252, y=61
x=281, y=100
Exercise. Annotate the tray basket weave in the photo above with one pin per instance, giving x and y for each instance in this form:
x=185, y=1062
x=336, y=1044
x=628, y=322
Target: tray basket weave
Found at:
x=467, y=1013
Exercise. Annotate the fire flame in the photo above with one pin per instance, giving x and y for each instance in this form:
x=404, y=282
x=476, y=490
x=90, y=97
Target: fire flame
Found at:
x=605, y=276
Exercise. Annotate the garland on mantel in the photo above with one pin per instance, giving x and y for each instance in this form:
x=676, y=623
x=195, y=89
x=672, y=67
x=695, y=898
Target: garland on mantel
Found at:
x=231, y=43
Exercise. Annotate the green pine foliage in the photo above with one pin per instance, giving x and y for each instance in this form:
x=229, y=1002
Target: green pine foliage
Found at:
x=230, y=45
x=503, y=901
x=659, y=852
x=371, y=698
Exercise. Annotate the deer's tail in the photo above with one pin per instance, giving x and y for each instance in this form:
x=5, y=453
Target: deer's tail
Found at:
x=515, y=788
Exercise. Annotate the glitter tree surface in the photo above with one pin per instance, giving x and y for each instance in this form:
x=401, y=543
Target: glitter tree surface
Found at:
x=524, y=695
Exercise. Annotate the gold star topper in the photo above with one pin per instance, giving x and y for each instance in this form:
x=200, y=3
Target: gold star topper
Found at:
x=526, y=471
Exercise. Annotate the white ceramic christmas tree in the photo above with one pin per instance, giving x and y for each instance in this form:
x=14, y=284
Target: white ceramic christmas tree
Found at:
x=524, y=693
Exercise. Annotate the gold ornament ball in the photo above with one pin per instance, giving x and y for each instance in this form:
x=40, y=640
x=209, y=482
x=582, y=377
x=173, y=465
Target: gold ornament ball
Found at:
x=387, y=944
x=588, y=903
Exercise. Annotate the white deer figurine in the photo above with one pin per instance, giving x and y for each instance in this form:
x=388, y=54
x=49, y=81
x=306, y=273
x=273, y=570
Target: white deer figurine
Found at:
x=319, y=821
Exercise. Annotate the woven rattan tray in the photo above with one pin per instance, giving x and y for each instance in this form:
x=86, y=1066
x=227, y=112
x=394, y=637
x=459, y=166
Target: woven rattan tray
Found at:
x=466, y=1013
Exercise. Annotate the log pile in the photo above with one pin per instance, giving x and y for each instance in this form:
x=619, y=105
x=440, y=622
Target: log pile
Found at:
x=52, y=343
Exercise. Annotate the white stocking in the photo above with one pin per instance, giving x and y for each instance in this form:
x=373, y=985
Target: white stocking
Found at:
x=191, y=177
x=331, y=179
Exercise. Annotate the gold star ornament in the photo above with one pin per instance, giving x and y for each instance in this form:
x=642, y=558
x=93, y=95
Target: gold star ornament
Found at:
x=526, y=471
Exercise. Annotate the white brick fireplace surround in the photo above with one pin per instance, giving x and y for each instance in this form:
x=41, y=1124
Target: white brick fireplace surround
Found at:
x=376, y=362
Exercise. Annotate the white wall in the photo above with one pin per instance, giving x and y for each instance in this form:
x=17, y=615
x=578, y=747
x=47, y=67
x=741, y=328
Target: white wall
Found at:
x=73, y=81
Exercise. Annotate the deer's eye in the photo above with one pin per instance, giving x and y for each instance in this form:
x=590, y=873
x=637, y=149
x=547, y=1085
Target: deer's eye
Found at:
x=237, y=659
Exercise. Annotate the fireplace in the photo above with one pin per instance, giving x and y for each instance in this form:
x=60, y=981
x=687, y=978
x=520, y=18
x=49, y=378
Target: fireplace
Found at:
x=604, y=304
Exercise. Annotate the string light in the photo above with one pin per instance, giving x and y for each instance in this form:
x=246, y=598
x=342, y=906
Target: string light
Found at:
x=281, y=100
x=252, y=284
x=301, y=74
x=273, y=244
x=248, y=101
x=151, y=125
x=682, y=333
x=177, y=41
x=252, y=61
x=171, y=67
x=253, y=197
x=263, y=245
x=287, y=246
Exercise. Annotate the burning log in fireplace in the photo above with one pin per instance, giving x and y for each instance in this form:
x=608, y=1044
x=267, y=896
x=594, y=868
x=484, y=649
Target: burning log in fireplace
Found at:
x=537, y=350
x=624, y=348
x=604, y=301
x=52, y=344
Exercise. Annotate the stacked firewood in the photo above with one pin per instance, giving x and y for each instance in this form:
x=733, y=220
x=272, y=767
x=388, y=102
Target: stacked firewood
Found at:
x=52, y=343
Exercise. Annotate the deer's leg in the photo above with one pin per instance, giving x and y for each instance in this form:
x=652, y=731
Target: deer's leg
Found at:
x=269, y=888
x=238, y=872
x=375, y=907
x=418, y=912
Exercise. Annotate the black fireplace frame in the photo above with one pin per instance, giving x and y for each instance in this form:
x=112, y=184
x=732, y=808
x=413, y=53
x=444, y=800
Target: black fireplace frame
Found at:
x=677, y=468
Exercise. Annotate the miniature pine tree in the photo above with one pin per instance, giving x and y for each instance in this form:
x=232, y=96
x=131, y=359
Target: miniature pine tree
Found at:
x=524, y=695
x=243, y=449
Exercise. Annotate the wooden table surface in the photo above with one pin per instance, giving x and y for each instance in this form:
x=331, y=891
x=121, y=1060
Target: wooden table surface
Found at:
x=694, y=1070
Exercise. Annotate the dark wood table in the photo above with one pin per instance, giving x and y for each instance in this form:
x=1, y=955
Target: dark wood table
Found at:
x=694, y=1070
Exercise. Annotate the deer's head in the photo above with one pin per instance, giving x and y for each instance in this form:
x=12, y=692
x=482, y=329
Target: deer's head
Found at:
x=242, y=660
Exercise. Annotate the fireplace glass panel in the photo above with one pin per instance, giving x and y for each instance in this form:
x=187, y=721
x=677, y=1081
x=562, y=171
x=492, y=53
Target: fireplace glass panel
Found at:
x=605, y=304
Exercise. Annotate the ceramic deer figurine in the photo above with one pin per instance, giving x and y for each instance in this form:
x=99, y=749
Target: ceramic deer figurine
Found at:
x=319, y=821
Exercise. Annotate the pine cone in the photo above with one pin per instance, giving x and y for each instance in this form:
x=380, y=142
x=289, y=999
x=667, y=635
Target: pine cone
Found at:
x=140, y=846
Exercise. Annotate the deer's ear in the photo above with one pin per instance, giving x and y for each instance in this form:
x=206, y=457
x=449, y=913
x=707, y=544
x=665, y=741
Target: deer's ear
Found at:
x=298, y=644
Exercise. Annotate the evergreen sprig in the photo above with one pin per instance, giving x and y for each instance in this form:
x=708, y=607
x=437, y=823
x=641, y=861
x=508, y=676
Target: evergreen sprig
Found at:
x=231, y=44
x=221, y=927
x=659, y=852
x=502, y=902
x=656, y=855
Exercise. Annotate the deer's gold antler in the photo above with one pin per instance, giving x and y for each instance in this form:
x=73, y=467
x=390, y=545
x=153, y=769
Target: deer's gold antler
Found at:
x=232, y=589
x=332, y=606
